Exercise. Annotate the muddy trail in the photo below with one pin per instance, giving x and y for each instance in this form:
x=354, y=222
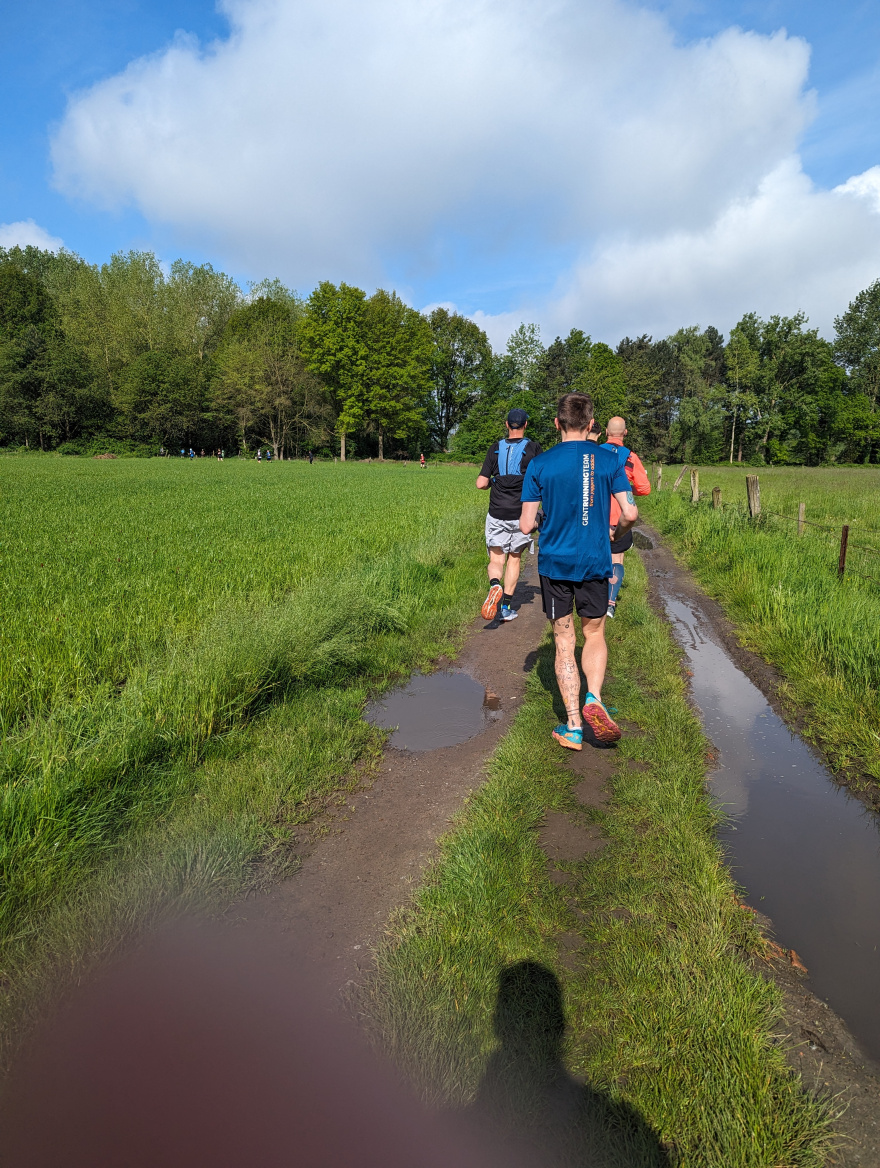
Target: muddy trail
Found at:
x=805, y=851
x=363, y=860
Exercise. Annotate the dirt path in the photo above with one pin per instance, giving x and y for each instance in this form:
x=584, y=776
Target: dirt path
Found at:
x=818, y=1043
x=358, y=867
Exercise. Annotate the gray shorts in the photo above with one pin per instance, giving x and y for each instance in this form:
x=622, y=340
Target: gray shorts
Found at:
x=505, y=534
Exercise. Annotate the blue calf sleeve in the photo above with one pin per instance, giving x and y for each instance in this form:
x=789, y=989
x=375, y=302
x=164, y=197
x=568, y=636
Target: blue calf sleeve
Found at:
x=614, y=583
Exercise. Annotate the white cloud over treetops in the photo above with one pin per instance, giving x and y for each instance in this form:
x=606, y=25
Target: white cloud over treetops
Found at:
x=25, y=232
x=336, y=138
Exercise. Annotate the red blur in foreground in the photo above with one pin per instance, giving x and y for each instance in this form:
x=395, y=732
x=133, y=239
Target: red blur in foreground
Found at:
x=203, y=1050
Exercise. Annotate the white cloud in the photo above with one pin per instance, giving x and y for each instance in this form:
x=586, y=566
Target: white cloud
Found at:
x=322, y=134
x=341, y=138
x=788, y=247
x=26, y=232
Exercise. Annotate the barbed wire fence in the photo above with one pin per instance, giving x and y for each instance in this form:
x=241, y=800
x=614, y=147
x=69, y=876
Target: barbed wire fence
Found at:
x=839, y=537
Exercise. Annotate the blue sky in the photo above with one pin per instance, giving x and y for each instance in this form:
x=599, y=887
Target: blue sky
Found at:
x=319, y=138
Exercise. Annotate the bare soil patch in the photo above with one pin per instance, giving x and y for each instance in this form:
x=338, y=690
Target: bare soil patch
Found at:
x=361, y=861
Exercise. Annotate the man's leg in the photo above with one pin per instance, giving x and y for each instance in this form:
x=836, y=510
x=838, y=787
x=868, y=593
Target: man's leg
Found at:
x=496, y=571
x=567, y=673
x=511, y=573
x=617, y=570
x=594, y=660
x=595, y=655
x=511, y=576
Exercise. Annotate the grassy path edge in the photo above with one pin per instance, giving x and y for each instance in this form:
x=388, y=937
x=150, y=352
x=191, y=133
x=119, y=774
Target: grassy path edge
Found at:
x=220, y=824
x=665, y=1014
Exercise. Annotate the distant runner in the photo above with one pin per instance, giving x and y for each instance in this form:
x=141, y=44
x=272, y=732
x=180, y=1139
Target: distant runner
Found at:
x=503, y=469
x=575, y=482
x=422, y=461
x=615, y=432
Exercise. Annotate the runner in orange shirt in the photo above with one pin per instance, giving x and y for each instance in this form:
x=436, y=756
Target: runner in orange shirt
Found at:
x=615, y=432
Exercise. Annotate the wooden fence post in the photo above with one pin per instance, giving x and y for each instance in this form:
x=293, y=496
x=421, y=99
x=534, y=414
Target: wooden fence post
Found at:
x=841, y=559
x=695, y=486
x=716, y=498
x=753, y=492
x=659, y=480
x=802, y=511
x=677, y=483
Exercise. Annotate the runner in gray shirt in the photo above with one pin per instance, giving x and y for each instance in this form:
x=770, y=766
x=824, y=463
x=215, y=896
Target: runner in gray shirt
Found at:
x=502, y=473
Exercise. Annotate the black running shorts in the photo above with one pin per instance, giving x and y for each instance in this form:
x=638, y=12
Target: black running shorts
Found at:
x=590, y=597
x=623, y=544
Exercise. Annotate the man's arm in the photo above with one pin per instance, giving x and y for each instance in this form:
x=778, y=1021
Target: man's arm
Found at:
x=629, y=513
x=641, y=484
x=484, y=478
x=529, y=517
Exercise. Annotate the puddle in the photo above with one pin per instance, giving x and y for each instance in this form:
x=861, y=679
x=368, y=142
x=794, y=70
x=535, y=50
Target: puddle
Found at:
x=807, y=853
x=433, y=710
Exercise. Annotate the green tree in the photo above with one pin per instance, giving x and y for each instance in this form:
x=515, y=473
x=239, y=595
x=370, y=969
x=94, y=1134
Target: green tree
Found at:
x=396, y=385
x=501, y=392
x=460, y=360
x=158, y=396
x=697, y=430
x=525, y=350
x=262, y=383
x=558, y=368
x=333, y=344
x=198, y=305
x=857, y=348
x=743, y=366
x=602, y=377
x=45, y=380
x=654, y=378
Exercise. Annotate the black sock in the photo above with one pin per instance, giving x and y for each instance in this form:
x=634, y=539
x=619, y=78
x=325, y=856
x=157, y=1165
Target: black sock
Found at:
x=494, y=581
x=508, y=599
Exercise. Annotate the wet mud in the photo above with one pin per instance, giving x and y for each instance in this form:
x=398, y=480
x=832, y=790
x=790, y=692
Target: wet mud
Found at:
x=434, y=710
x=806, y=852
x=362, y=860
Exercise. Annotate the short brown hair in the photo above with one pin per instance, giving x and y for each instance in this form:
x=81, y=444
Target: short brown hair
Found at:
x=575, y=411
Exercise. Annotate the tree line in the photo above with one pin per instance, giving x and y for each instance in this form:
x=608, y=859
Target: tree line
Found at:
x=130, y=356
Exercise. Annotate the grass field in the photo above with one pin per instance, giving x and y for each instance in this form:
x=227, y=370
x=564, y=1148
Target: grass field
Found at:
x=665, y=1016
x=783, y=593
x=155, y=613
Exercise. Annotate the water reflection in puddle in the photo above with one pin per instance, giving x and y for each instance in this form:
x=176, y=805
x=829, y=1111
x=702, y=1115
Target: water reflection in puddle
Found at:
x=807, y=853
x=433, y=710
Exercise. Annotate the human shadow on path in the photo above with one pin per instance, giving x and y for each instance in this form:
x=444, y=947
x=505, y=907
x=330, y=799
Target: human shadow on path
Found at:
x=528, y=1101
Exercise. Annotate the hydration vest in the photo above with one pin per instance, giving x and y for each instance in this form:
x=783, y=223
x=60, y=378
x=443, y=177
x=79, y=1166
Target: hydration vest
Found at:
x=623, y=452
x=510, y=455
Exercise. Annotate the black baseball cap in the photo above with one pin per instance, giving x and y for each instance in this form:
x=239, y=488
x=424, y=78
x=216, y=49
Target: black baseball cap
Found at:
x=517, y=419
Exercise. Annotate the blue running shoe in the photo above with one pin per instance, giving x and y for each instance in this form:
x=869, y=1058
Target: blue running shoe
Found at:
x=570, y=739
x=507, y=613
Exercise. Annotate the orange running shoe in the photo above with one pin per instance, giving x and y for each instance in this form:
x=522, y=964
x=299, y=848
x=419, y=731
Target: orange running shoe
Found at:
x=600, y=721
x=490, y=604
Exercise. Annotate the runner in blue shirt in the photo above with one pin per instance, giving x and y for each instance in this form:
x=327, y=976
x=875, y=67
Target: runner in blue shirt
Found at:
x=574, y=482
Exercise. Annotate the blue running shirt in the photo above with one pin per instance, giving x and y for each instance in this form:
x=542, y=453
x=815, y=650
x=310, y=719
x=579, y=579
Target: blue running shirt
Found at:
x=574, y=482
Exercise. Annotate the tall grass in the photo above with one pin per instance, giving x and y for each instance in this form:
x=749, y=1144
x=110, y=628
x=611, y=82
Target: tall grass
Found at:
x=783, y=593
x=176, y=604
x=665, y=1016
